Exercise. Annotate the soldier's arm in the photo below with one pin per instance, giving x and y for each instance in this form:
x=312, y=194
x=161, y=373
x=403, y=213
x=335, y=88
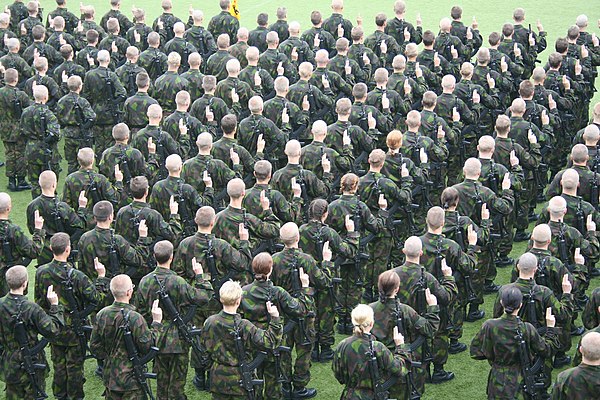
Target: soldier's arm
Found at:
x=482, y=347
x=134, y=256
x=29, y=248
x=295, y=307
x=265, y=225
x=347, y=247
x=236, y=259
x=47, y=324
x=200, y=294
x=264, y=339
x=428, y=324
x=445, y=291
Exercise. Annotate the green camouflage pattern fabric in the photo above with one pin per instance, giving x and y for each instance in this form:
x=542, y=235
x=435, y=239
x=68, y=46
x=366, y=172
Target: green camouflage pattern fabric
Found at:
x=331, y=23
x=257, y=37
x=238, y=50
x=166, y=88
x=154, y=62
x=219, y=172
x=143, y=30
x=215, y=65
x=361, y=141
x=269, y=60
x=96, y=91
x=224, y=23
x=326, y=38
x=202, y=39
x=576, y=383
x=244, y=91
x=88, y=181
x=127, y=73
x=285, y=210
x=124, y=23
x=107, y=344
x=221, y=151
x=395, y=28
x=266, y=88
x=14, y=60
x=13, y=101
x=358, y=74
x=315, y=188
x=135, y=110
x=194, y=77
x=322, y=100
x=310, y=158
x=275, y=139
x=181, y=47
x=54, y=90
x=217, y=106
x=129, y=217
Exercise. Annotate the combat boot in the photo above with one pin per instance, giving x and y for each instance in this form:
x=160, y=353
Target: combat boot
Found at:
x=521, y=236
x=456, y=347
x=22, y=184
x=441, y=376
x=304, y=393
x=12, y=184
x=326, y=354
x=474, y=314
x=199, y=380
x=560, y=360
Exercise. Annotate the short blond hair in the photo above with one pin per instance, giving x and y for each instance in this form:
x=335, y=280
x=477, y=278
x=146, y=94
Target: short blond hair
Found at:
x=363, y=316
x=230, y=293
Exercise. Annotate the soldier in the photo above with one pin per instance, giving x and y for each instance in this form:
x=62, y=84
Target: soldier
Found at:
x=382, y=103
x=580, y=382
x=222, y=148
x=215, y=64
x=40, y=64
x=153, y=134
x=41, y=129
x=277, y=63
x=87, y=22
x=340, y=86
x=153, y=60
x=173, y=292
x=115, y=12
x=280, y=26
x=137, y=35
x=234, y=92
x=288, y=267
x=414, y=281
x=166, y=21
x=347, y=67
x=135, y=108
x=224, y=22
x=22, y=321
x=361, y=348
x=128, y=72
x=259, y=79
x=398, y=27
x=13, y=101
x=383, y=45
x=110, y=249
x=17, y=12
x=107, y=341
x=200, y=37
x=288, y=117
x=129, y=218
x=76, y=118
x=102, y=88
x=194, y=76
x=294, y=47
x=258, y=36
x=320, y=102
x=317, y=37
x=40, y=49
x=17, y=248
x=88, y=56
x=13, y=60
x=518, y=336
x=180, y=46
x=95, y=186
x=79, y=296
x=25, y=26
x=195, y=169
x=208, y=109
x=188, y=198
x=57, y=215
x=261, y=290
x=169, y=84
x=588, y=179
x=228, y=339
x=391, y=314
x=71, y=20
x=69, y=66
x=59, y=37
x=238, y=50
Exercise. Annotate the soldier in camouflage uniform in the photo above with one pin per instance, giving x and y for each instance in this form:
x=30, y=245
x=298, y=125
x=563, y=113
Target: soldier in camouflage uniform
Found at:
x=110, y=249
x=238, y=50
x=224, y=22
x=354, y=352
x=263, y=290
x=153, y=60
x=173, y=358
x=235, y=92
x=180, y=46
x=383, y=45
x=76, y=118
x=169, y=84
x=42, y=49
x=137, y=35
x=276, y=63
x=41, y=77
x=128, y=72
x=262, y=227
x=114, y=43
x=313, y=236
x=498, y=342
x=41, y=129
x=13, y=101
x=13, y=60
x=78, y=297
x=259, y=79
x=587, y=178
x=288, y=267
x=257, y=37
x=230, y=340
x=200, y=37
x=104, y=91
x=36, y=321
x=580, y=382
x=340, y=86
x=215, y=65
x=71, y=20
x=88, y=23
x=223, y=263
x=317, y=37
x=391, y=314
x=414, y=281
x=347, y=67
x=129, y=217
x=320, y=102
x=208, y=109
x=57, y=215
x=194, y=76
x=106, y=340
x=17, y=248
x=17, y=12
x=68, y=66
x=352, y=271
x=135, y=108
x=166, y=21
x=88, y=56
x=284, y=210
x=116, y=13
x=371, y=103
x=294, y=47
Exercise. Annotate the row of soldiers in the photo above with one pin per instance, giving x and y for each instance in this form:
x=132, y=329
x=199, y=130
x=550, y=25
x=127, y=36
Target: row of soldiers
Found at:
x=291, y=176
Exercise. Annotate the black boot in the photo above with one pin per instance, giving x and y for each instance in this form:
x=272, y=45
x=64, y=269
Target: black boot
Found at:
x=561, y=359
x=304, y=393
x=521, y=236
x=199, y=380
x=441, y=376
x=12, y=184
x=22, y=184
x=100, y=369
x=456, y=347
x=474, y=314
x=326, y=354
x=314, y=355
x=490, y=287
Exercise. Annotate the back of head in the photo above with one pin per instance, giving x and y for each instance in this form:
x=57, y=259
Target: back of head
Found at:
x=511, y=299
x=590, y=347
x=102, y=211
x=262, y=265
x=163, y=251
x=16, y=276
x=362, y=318
x=230, y=293
x=527, y=264
x=413, y=247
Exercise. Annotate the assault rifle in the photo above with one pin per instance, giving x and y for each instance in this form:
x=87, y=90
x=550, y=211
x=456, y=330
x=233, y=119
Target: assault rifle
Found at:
x=84, y=124
x=531, y=385
x=92, y=189
x=113, y=100
x=380, y=389
x=563, y=253
x=7, y=252
x=246, y=369
x=296, y=289
x=124, y=166
x=186, y=217
x=114, y=259
x=460, y=239
x=580, y=217
x=139, y=363
x=28, y=353
x=79, y=322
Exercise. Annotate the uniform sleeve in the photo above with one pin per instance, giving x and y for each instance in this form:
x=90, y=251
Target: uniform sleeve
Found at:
x=482, y=348
x=264, y=338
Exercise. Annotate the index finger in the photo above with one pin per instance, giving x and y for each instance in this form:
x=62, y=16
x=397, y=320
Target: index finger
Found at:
x=577, y=251
x=589, y=218
x=155, y=304
x=301, y=271
x=50, y=289
x=294, y=181
x=548, y=312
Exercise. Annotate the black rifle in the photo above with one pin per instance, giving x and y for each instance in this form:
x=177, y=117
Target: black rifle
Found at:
x=7, y=252
x=113, y=100
x=79, y=322
x=49, y=139
x=361, y=254
x=528, y=310
x=280, y=375
x=161, y=153
x=191, y=335
x=492, y=178
x=337, y=305
x=17, y=106
x=28, y=353
x=421, y=309
x=296, y=289
x=460, y=239
x=439, y=256
x=317, y=111
x=59, y=223
x=531, y=384
x=301, y=180
x=380, y=389
x=124, y=166
x=92, y=189
x=414, y=391
x=595, y=187
x=246, y=369
x=184, y=212
x=131, y=84
x=114, y=259
x=202, y=48
x=561, y=242
x=580, y=217
x=85, y=125
x=541, y=274
x=139, y=363
x=209, y=259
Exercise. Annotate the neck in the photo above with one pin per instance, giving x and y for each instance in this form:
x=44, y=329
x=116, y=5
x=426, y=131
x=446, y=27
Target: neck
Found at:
x=292, y=246
x=592, y=363
x=141, y=200
x=182, y=109
x=236, y=203
x=570, y=192
x=4, y=216
x=124, y=300
x=540, y=246
x=48, y=193
x=103, y=224
x=437, y=231
x=61, y=258
x=415, y=260
x=452, y=208
x=230, y=309
x=526, y=277
x=485, y=156
x=293, y=160
x=205, y=230
x=18, y=292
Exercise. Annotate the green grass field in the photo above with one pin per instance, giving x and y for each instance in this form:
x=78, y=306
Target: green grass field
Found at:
x=556, y=16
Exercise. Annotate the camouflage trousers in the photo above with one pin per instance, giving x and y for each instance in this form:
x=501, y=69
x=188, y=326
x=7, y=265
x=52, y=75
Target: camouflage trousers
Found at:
x=72, y=146
x=300, y=375
x=527, y=196
x=102, y=139
x=379, y=255
x=172, y=369
x=22, y=390
x=271, y=389
x=36, y=165
x=440, y=341
x=325, y=319
x=350, y=292
x=201, y=360
x=68, y=379
x=15, y=159
x=129, y=395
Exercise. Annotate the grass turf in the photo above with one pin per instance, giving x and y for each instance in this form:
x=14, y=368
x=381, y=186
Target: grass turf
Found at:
x=471, y=376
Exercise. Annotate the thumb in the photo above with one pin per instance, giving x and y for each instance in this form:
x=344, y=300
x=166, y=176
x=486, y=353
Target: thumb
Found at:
x=577, y=252
x=549, y=312
x=301, y=271
x=155, y=305
x=589, y=218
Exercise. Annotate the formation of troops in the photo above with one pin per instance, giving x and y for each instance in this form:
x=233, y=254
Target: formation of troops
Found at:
x=234, y=197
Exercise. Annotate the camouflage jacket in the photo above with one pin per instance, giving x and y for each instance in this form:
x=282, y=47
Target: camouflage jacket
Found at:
x=285, y=210
x=314, y=234
x=224, y=22
x=314, y=187
x=193, y=170
x=216, y=63
x=106, y=102
x=254, y=125
x=414, y=277
x=13, y=101
x=283, y=270
x=166, y=88
x=550, y=271
x=135, y=110
x=269, y=60
x=129, y=217
x=75, y=116
x=261, y=227
x=576, y=383
x=194, y=77
x=202, y=39
x=96, y=187
x=154, y=62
